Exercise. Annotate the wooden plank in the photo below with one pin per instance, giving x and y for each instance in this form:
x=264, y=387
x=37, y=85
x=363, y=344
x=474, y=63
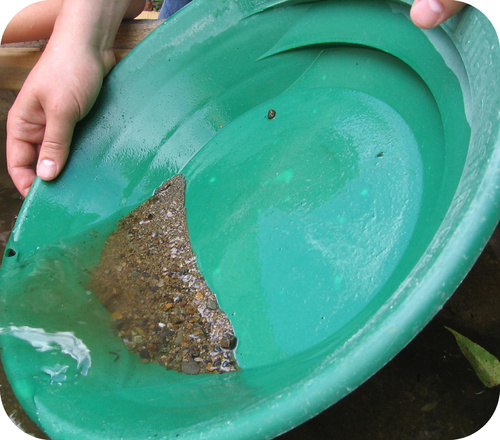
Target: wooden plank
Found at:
x=132, y=32
x=15, y=65
x=147, y=15
x=17, y=59
x=7, y=98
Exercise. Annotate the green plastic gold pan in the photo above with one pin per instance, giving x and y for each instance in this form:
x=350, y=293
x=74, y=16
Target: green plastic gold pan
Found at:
x=331, y=233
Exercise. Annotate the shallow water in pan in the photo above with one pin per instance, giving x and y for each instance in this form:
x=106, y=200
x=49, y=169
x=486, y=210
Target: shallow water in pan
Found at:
x=428, y=391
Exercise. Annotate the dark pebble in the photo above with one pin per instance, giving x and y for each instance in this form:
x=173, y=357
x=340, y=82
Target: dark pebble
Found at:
x=177, y=319
x=212, y=305
x=229, y=342
x=144, y=354
x=167, y=333
x=190, y=367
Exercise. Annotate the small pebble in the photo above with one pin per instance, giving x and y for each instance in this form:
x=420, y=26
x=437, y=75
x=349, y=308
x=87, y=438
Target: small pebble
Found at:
x=229, y=342
x=191, y=368
x=212, y=305
x=144, y=354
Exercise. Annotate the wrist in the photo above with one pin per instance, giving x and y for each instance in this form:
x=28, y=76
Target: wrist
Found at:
x=89, y=25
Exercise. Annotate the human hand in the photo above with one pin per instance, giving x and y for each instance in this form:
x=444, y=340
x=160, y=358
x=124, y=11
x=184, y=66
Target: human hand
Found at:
x=62, y=87
x=59, y=92
x=427, y=14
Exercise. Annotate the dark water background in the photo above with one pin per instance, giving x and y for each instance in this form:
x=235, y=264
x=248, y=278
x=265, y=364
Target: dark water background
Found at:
x=428, y=391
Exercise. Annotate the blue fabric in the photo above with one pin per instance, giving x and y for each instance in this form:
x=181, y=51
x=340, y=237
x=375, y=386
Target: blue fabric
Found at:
x=170, y=7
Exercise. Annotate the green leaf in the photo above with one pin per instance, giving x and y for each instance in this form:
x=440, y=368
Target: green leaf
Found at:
x=485, y=365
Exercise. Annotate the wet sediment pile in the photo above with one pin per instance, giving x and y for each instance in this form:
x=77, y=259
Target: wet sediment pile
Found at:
x=149, y=281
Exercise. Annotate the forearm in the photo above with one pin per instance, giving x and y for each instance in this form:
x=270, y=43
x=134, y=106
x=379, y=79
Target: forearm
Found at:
x=36, y=21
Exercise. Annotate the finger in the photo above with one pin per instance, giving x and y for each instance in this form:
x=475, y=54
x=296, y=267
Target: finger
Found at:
x=427, y=14
x=20, y=159
x=54, y=150
x=21, y=155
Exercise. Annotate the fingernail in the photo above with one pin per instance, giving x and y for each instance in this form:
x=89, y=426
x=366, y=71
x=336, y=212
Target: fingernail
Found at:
x=46, y=169
x=428, y=13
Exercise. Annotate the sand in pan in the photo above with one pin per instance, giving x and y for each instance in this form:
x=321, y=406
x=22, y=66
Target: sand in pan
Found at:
x=149, y=281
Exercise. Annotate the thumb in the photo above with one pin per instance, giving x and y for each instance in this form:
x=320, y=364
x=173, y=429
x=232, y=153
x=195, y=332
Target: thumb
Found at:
x=430, y=13
x=55, y=147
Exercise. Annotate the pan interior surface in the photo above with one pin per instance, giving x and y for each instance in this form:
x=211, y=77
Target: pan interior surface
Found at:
x=319, y=226
x=327, y=197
